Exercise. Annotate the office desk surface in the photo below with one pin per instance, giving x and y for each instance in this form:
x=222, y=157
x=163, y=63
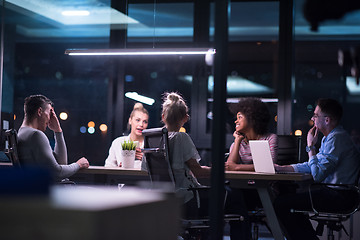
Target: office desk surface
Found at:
x=242, y=179
x=267, y=176
x=110, y=176
x=113, y=171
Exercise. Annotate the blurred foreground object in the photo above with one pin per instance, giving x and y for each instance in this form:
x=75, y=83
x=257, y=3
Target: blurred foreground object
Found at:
x=316, y=11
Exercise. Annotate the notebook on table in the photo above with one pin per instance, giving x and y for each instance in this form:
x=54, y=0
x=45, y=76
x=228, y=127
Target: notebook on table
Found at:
x=261, y=155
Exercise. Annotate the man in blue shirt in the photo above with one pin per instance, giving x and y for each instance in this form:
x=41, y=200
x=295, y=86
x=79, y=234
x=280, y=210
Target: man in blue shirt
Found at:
x=337, y=162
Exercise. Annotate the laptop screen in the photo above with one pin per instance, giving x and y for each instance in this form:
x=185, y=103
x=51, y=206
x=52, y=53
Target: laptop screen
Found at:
x=261, y=154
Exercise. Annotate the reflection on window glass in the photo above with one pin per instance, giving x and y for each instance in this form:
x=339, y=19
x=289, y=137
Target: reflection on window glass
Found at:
x=317, y=71
x=251, y=21
x=157, y=76
x=36, y=36
x=252, y=58
x=160, y=22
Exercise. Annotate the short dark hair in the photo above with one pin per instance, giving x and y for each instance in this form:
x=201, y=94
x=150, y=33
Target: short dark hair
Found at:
x=32, y=104
x=256, y=113
x=331, y=108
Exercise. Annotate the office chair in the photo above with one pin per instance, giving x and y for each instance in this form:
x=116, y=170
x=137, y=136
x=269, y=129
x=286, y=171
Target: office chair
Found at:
x=158, y=159
x=289, y=149
x=11, y=152
x=332, y=219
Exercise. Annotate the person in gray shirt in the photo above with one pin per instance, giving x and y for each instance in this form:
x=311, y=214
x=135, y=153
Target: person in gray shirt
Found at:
x=33, y=145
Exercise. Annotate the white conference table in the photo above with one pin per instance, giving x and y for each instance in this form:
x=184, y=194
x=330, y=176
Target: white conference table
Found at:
x=113, y=171
x=110, y=175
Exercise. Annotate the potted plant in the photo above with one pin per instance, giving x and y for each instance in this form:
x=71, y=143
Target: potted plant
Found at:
x=128, y=154
x=128, y=145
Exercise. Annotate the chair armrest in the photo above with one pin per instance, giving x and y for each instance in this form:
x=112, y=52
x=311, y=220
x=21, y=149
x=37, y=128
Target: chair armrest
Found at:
x=152, y=150
x=339, y=186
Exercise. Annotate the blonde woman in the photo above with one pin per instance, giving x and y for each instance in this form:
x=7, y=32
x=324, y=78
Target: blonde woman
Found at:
x=138, y=121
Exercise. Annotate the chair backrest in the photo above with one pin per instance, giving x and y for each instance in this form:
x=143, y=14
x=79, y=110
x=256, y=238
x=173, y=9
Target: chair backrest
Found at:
x=156, y=149
x=289, y=149
x=12, y=152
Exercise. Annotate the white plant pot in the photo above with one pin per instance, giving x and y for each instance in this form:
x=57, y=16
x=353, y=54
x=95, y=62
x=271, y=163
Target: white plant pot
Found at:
x=128, y=158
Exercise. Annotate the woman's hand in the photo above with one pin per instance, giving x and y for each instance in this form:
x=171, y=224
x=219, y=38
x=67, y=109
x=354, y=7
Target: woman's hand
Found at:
x=230, y=166
x=138, y=154
x=54, y=124
x=231, y=163
x=238, y=137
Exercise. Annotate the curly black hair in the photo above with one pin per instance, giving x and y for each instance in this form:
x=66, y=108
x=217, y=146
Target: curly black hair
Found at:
x=256, y=113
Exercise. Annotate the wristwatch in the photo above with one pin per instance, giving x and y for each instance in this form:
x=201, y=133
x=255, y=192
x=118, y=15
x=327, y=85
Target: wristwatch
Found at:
x=309, y=148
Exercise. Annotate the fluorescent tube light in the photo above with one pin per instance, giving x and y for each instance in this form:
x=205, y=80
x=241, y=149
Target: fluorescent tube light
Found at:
x=236, y=100
x=139, y=51
x=137, y=97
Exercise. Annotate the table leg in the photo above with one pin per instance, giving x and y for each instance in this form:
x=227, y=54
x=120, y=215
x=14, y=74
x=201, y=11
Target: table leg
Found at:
x=270, y=213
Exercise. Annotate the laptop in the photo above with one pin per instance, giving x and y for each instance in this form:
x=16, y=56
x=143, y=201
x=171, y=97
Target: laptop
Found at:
x=261, y=155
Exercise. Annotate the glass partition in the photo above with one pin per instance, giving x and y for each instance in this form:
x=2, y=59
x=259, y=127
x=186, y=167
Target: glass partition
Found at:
x=36, y=33
x=252, y=59
x=161, y=22
x=317, y=70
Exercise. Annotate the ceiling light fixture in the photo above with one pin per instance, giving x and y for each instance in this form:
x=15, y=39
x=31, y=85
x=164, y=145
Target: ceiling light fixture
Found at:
x=137, y=97
x=236, y=100
x=139, y=52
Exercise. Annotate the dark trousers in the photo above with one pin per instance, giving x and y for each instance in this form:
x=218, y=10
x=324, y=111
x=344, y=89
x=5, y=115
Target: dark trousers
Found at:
x=236, y=204
x=297, y=225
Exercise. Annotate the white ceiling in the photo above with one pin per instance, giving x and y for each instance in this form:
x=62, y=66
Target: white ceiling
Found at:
x=248, y=20
x=99, y=13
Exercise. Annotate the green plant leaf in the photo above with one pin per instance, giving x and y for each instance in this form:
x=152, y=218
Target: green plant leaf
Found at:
x=128, y=145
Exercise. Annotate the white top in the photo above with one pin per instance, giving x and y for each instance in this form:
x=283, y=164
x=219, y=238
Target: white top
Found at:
x=182, y=149
x=115, y=156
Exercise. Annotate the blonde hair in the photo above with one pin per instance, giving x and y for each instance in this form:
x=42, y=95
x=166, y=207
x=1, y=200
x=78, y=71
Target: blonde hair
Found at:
x=174, y=109
x=137, y=107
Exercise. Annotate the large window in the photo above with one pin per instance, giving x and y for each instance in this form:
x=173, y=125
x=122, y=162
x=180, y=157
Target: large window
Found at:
x=317, y=71
x=36, y=37
x=252, y=59
x=36, y=34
